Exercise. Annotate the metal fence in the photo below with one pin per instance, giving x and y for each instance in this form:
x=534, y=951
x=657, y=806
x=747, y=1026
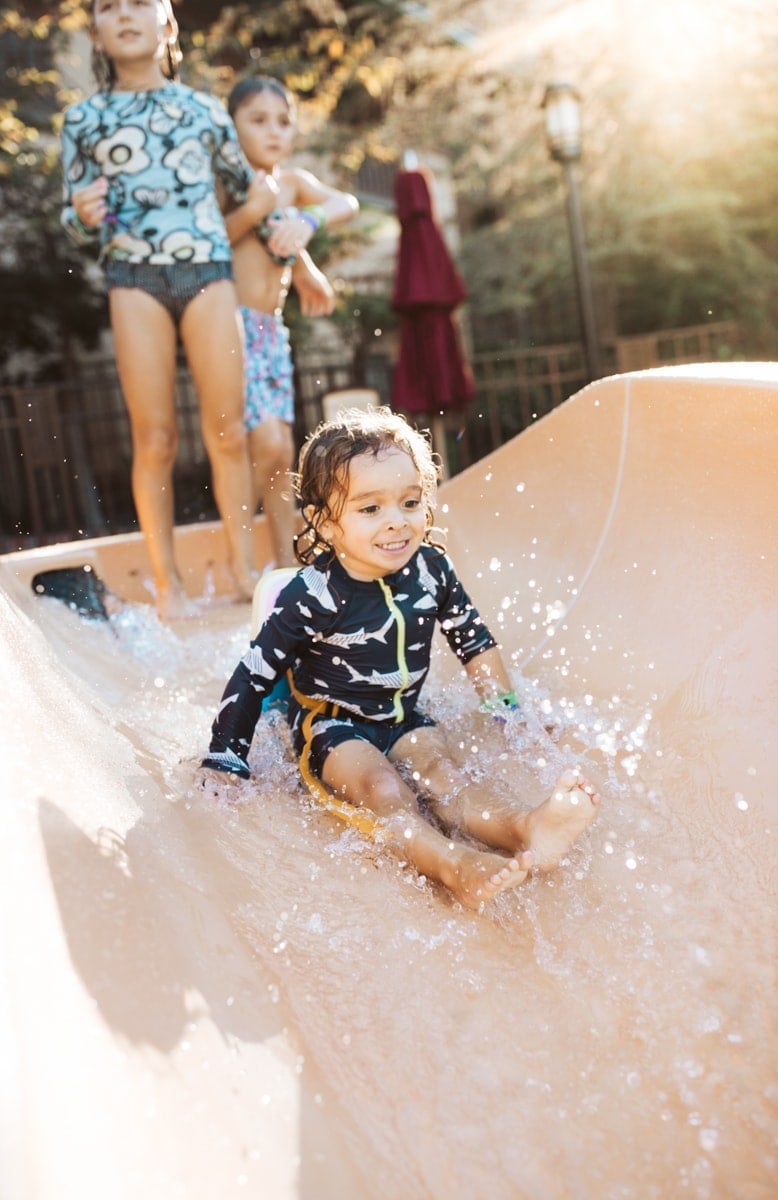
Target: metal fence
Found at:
x=65, y=449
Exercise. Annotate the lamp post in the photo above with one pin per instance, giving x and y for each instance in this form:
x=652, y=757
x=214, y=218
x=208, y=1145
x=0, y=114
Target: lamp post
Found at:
x=563, y=132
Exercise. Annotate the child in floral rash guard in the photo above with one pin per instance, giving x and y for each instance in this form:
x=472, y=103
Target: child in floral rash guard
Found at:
x=141, y=160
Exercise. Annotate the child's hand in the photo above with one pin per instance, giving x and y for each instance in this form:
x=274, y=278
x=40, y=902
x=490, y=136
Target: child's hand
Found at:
x=317, y=297
x=505, y=708
x=90, y=203
x=262, y=195
x=289, y=235
x=218, y=785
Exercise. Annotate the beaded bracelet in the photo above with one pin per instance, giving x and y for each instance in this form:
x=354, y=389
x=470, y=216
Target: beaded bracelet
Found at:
x=315, y=215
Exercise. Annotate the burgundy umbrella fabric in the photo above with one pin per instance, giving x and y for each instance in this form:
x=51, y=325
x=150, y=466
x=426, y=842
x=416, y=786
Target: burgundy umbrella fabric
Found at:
x=431, y=375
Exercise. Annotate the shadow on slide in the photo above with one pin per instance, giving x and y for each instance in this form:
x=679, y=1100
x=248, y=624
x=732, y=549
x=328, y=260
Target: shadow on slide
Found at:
x=225, y=993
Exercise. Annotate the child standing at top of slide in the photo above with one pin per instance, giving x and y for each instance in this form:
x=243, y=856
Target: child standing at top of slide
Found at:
x=285, y=207
x=353, y=631
x=140, y=160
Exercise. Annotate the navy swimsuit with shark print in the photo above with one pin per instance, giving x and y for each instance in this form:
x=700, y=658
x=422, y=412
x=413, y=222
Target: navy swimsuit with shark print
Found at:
x=162, y=152
x=356, y=655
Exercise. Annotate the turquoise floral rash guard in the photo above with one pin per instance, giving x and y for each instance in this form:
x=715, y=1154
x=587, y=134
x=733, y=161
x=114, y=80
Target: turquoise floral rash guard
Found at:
x=162, y=152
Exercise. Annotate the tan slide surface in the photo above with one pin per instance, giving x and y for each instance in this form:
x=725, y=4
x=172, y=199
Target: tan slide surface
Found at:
x=223, y=996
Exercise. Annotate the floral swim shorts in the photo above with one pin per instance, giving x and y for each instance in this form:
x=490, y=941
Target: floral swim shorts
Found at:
x=267, y=366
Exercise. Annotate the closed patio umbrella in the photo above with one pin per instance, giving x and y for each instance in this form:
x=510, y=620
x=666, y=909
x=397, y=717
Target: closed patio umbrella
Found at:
x=431, y=376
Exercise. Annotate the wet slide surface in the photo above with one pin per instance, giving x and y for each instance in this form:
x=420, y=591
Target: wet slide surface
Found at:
x=223, y=994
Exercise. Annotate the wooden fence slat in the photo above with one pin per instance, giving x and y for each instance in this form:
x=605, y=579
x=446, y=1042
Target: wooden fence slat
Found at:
x=65, y=449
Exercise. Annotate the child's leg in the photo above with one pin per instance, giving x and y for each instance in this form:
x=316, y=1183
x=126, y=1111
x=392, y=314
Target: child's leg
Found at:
x=211, y=337
x=271, y=450
x=145, y=346
x=361, y=775
x=549, y=830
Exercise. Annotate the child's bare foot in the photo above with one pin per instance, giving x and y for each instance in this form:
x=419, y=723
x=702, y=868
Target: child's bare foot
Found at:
x=478, y=877
x=245, y=582
x=173, y=604
x=551, y=829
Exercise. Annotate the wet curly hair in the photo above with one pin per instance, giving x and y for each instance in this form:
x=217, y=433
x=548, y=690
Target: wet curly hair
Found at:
x=321, y=480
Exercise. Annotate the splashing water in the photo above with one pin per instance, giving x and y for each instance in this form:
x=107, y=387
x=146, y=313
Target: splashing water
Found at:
x=604, y=988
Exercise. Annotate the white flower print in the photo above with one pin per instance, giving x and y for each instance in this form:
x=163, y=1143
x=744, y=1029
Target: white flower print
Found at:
x=149, y=198
x=216, y=111
x=189, y=161
x=231, y=154
x=122, y=153
x=127, y=246
x=77, y=170
x=182, y=247
x=208, y=218
x=166, y=117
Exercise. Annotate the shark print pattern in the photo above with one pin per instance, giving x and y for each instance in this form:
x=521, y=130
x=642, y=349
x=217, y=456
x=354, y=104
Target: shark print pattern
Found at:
x=363, y=646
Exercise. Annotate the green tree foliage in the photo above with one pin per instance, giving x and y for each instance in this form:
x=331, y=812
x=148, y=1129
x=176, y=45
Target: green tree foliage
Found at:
x=328, y=53
x=679, y=170
x=680, y=160
x=46, y=297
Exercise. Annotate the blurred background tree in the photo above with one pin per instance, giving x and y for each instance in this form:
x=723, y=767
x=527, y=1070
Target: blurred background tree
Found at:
x=47, y=300
x=678, y=177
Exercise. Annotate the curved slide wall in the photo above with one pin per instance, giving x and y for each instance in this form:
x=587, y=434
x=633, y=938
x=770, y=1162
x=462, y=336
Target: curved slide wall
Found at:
x=217, y=995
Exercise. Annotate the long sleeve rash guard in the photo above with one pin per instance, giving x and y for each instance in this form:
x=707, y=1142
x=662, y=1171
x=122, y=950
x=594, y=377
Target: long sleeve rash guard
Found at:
x=162, y=152
x=366, y=646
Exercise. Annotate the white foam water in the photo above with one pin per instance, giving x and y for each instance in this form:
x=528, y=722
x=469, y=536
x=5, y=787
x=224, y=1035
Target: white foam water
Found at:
x=599, y=1031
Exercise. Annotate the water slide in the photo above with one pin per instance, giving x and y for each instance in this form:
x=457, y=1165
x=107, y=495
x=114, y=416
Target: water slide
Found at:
x=216, y=994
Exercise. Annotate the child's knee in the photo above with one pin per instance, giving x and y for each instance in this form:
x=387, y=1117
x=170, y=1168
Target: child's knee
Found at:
x=229, y=439
x=272, y=447
x=157, y=448
x=388, y=793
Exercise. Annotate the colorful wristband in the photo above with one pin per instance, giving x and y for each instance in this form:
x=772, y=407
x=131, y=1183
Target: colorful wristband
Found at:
x=498, y=706
x=315, y=215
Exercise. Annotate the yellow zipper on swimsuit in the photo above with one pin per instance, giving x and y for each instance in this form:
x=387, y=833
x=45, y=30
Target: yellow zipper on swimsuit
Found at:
x=399, y=714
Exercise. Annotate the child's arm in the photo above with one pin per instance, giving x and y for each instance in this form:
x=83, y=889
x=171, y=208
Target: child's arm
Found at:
x=472, y=642
x=270, y=653
x=317, y=298
x=315, y=205
x=488, y=674
x=230, y=165
x=233, y=729
x=85, y=205
x=262, y=198
x=88, y=207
